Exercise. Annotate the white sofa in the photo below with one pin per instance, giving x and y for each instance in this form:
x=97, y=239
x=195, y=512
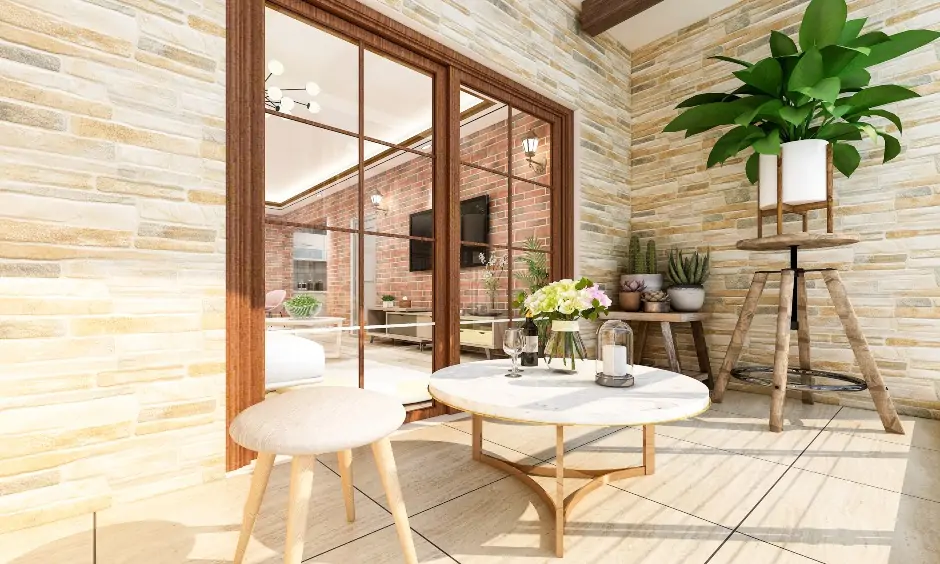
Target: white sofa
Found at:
x=291, y=360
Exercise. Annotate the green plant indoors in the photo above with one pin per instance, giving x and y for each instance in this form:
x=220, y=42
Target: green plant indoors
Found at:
x=689, y=270
x=817, y=90
x=637, y=261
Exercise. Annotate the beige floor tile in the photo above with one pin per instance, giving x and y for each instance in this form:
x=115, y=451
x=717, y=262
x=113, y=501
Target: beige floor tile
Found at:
x=200, y=525
x=434, y=465
x=745, y=434
x=711, y=484
x=70, y=540
x=838, y=521
x=506, y=523
x=923, y=433
x=537, y=441
x=380, y=547
x=883, y=464
x=741, y=549
x=795, y=412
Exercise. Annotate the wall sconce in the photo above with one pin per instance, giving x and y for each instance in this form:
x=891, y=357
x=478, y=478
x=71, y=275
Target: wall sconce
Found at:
x=376, y=200
x=530, y=143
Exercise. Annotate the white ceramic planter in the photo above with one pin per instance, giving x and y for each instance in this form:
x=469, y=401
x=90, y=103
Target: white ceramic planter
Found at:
x=687, y=298
x=805, y=174
x=654, y=282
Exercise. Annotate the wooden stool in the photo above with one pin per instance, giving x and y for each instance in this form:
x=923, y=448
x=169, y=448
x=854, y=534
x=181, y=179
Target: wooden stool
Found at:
x=642, y=320
x=305, y=423
x=793, y=299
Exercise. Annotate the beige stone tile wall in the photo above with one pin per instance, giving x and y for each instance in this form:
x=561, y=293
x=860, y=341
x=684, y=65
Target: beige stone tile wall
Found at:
x=893, y=276
x=112, y=282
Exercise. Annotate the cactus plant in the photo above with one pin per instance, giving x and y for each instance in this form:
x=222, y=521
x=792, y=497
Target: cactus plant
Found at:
x=651, y=257
x=635, y=257
x=633, y=286
x=656, y=297
x=689, y=270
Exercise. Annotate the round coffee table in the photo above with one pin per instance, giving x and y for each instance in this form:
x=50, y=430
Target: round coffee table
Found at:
x=542, y=397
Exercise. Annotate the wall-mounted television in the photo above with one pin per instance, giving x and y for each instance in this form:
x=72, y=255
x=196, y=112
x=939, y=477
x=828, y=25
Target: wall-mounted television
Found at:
x=474, y=228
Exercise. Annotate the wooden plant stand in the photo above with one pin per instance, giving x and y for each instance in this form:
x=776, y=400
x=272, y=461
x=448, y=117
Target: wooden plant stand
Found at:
x=800, y=209
x=793, y=299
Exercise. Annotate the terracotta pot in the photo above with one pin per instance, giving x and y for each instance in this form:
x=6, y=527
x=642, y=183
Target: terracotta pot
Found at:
x=630, y=301
x=687, y=298
x=656, y=307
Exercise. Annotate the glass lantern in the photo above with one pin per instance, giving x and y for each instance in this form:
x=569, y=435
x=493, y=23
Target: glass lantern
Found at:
x=614, y=355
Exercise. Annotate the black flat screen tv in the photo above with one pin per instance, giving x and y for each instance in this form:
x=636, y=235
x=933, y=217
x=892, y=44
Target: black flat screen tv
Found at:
x=474, y=228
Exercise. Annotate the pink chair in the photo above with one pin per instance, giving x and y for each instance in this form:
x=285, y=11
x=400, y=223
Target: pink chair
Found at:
x=273, y=300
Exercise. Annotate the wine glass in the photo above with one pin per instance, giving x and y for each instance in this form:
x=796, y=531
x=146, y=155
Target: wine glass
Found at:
x=513, y=342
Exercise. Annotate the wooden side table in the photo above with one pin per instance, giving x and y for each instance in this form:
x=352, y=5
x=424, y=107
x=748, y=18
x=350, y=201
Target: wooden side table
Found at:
x=642, y=320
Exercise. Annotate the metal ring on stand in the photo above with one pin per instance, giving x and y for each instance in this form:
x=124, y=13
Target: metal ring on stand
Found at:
x=795, y=377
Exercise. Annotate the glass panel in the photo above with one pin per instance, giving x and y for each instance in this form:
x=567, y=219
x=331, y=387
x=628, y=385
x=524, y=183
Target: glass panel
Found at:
x=398, y=352
x=398, y=101
x=311, y=73
x=530, y=271
x=484, y=136
x=484, y=208
x=311, y=174
x=531, y=147
x=531, y=215
x=301, y=350
x=484, y=311
x=398, y=194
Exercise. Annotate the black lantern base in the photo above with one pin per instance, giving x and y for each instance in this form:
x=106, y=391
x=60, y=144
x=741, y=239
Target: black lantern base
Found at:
x=613, y=381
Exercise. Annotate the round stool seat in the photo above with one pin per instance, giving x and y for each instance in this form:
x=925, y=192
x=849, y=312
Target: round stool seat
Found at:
x=317, y=420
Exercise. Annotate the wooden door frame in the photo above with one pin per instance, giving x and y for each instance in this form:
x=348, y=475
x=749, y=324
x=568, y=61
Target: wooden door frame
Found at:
x=245, y=202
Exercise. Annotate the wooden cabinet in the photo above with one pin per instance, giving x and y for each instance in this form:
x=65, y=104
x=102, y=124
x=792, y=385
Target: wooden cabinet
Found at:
x=479, y=332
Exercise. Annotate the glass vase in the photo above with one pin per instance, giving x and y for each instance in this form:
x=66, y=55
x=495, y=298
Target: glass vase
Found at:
x=564, y=347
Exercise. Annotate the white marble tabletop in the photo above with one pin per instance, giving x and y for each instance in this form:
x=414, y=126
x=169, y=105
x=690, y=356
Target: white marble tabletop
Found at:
x=551, y=398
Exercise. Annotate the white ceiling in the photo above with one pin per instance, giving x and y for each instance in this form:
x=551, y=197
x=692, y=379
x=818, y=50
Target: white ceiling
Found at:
x=662, y=19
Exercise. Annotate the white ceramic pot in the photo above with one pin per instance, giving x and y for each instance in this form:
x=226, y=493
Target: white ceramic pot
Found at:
x=768, y=181
x=654, y=282
x=687, y=298
x=805, y=174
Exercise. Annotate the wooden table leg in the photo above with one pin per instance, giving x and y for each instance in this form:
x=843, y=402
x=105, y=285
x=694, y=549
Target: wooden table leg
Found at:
x=259, y=482
x=669, y=342
x=802, y=317
x=641, y=328
x=701, y=350
x=649, y=449
x=739, y=335
x=782, y=352
x=385, y=461
x=346, y=477
x=298, y=505
x=559, y=491
x=477, y=433
x=866, y=362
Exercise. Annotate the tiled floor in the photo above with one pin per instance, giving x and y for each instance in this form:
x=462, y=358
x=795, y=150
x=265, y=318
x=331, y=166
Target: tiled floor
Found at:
x=832, y=488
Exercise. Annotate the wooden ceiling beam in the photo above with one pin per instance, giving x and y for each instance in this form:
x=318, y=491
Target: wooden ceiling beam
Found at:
x=597, y=16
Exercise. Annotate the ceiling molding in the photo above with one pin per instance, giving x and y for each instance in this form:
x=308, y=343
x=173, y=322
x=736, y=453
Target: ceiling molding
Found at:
x=597, y=16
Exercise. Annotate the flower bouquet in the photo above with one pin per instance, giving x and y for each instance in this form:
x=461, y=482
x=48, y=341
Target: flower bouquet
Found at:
x=564, y=303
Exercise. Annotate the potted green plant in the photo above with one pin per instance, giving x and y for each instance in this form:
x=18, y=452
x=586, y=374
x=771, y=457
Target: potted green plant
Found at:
x=388, y=301
x=630, y=292
x=642, y=266
x=804, y=98
x=656, y=302
x=687, y=275
x=303, y=306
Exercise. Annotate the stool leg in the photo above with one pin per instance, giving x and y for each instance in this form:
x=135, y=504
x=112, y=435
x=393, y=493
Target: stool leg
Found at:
x=346, y=476
x=803, y=333
x=298, y=505
x=669, y=343
x=701, y=351
x=782, y=353
x=259, y=482
x=866, y=362
x=739, y=335
x=641, y=327
x=385, y=460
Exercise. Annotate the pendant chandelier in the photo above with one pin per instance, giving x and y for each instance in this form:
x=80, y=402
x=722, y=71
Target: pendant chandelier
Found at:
x=276, y=99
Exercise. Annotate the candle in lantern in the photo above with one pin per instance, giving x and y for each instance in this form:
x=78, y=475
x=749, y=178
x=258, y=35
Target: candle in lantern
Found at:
x=615, y=360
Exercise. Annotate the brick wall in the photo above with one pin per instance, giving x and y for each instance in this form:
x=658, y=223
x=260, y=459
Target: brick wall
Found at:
x=893, y=275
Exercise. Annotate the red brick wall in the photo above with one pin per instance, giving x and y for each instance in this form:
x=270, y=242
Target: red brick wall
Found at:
x=406, y=189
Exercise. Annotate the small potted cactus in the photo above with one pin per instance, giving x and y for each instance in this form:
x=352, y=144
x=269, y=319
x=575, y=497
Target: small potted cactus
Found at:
x=687, y=275
x=630, y=295
x=642, y=266
x=656, y=302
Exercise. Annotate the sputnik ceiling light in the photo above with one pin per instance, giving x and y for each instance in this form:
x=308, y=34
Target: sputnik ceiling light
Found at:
x=275, y=98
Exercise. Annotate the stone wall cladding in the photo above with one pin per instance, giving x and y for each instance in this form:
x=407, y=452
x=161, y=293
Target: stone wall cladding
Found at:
x=112, y=282
x=893, y=275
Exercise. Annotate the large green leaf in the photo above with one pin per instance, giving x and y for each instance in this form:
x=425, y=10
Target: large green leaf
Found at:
x=837, y=58
x=839, y=131
x=854, y=79
x=823, y=23
x=752, y=168
x=900, y=44
x=869, y=39
x=709, y=98
x=767, y=109
x=766, y=76
x=769, y=145
x=731, y=143
x=892, y=146
x=827, y=90
x=868, y=130
x=808, y=72
x=892, y=117
x=796, y=116
x=781, y=45
x=732, y=60
x=851, y=30
x=710, y=115
x=845, y=158
x=879, y=96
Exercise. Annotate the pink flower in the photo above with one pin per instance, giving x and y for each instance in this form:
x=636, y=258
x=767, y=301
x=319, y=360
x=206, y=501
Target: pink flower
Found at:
x=596, y=294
